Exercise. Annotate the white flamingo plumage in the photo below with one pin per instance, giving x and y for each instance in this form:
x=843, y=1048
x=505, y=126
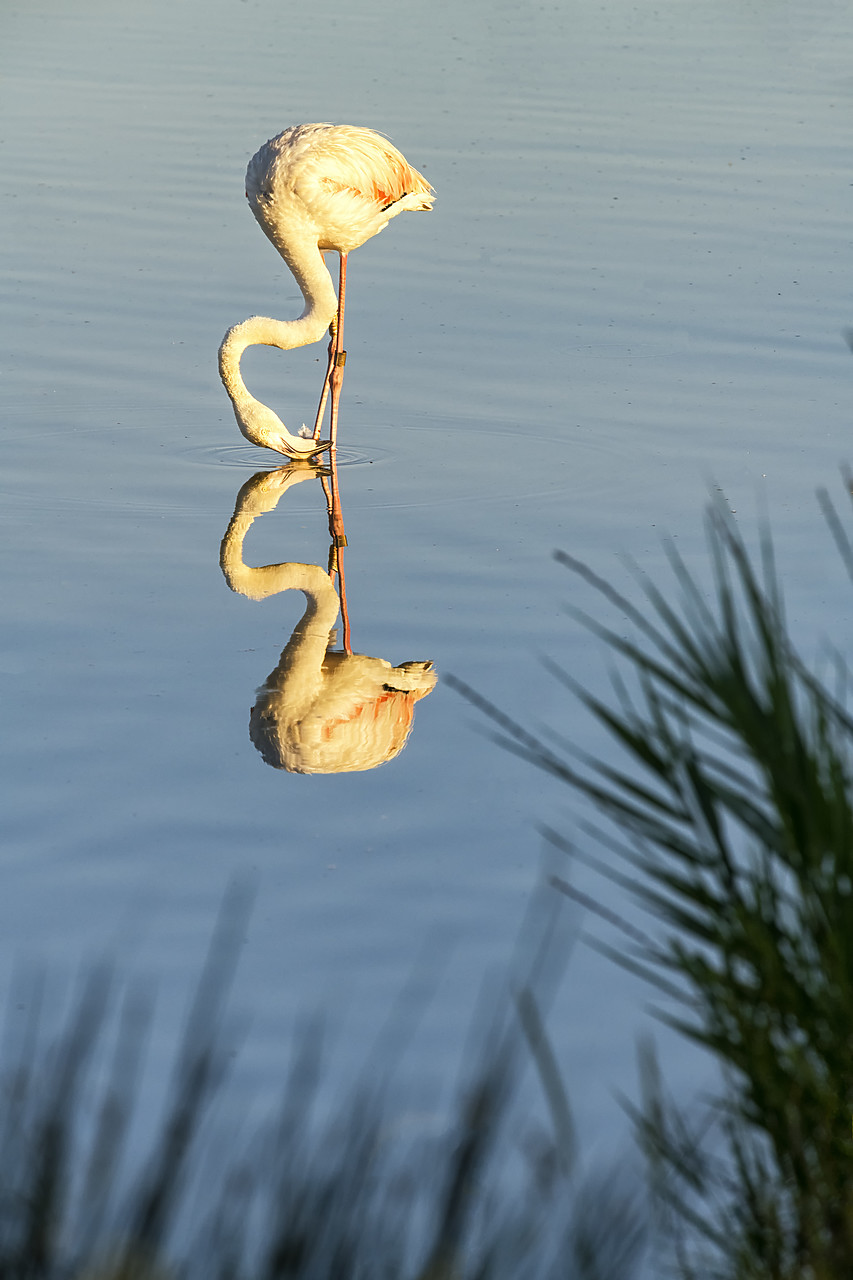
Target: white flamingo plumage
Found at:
x=312, y=188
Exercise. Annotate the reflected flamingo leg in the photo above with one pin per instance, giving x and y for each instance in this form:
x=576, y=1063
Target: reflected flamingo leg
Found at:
x=336, y=553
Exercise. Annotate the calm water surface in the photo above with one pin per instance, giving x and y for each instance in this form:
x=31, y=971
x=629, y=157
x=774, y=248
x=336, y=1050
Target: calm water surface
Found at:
x=633, y=286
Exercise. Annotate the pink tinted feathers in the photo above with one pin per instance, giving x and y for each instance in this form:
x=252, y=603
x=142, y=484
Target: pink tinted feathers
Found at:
x=337, y=184
x=311, y=161
x=384, y=176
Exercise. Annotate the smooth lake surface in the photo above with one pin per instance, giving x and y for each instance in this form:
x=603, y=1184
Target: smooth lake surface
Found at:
x=633, y=288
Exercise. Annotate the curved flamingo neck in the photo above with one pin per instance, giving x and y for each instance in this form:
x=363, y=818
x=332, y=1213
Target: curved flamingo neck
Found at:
x=310, y=272
x=256, y=331
x=321, y=305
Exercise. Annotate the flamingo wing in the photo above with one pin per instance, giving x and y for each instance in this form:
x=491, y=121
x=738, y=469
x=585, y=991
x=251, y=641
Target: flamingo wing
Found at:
x=368, y=165
x=349, y=180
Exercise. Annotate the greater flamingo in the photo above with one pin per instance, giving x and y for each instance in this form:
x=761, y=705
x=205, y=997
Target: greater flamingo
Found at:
x=315, y=187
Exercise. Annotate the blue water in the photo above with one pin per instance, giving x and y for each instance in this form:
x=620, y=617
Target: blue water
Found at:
x=632, y=289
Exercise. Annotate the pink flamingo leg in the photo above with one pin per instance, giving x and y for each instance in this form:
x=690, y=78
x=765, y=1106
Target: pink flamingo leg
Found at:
x=321, y=408
x=336, y=376
x=337, y=359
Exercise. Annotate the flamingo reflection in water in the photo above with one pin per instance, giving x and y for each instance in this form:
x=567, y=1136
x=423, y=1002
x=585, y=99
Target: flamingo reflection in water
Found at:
x=312, y=188
x=321, y=710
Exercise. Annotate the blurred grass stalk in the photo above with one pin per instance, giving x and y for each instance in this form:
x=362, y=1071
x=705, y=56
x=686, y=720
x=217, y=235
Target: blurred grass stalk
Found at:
x=731, y=820
x=321, y=1191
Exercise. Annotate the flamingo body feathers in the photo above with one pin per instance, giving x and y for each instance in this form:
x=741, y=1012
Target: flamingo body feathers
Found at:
x=342, y=184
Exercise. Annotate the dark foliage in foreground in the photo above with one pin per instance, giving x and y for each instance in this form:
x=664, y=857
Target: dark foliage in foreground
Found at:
x=732, y=820
x=330, y=1198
